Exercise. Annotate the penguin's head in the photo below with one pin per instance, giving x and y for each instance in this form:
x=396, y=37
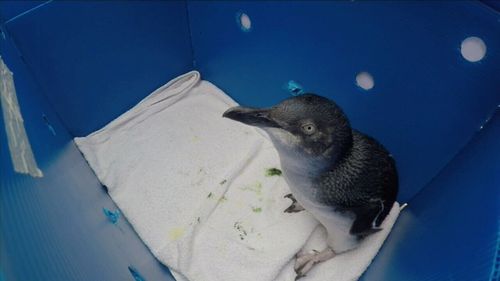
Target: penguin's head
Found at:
x=307, y=125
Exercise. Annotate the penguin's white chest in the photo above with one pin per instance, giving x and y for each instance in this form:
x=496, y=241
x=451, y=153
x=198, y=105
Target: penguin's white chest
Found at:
x=337, y=224
x=296, y=166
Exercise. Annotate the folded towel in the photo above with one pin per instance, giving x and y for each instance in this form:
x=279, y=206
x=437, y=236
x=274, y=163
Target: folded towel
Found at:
x=197, y=189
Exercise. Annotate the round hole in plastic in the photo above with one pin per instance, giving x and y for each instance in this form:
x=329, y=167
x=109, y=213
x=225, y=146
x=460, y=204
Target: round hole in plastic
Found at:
x=473, y=49
x=365, y=81
x=244, y=21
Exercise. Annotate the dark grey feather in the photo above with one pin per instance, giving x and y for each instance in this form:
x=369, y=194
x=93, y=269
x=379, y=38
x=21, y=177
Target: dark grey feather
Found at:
x=364, y=181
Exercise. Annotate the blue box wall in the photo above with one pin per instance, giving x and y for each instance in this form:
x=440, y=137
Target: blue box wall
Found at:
x=53, y=228
x=84, y=63
x=428, y=100
x=73, y=48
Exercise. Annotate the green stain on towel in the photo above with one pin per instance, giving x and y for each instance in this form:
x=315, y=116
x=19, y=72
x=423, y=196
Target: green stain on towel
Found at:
x=257, y=209
x=256, y=188
x=273, y=172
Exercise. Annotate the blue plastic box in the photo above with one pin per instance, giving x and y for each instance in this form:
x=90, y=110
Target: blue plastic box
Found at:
x=401, y=71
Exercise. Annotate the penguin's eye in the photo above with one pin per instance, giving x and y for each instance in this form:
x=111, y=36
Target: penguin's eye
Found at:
x=309, y=128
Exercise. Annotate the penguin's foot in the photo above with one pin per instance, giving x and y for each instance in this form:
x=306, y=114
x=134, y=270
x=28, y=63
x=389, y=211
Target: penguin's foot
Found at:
x=305, y=262
x=295, y=207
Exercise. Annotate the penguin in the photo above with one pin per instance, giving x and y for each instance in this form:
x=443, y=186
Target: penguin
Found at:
x=345, y=179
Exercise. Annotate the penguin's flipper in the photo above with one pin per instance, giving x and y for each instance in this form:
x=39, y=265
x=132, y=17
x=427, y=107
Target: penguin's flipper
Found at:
x=368, y=219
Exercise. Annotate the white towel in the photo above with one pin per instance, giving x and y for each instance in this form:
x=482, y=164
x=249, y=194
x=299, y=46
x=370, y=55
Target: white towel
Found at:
x=195, y=188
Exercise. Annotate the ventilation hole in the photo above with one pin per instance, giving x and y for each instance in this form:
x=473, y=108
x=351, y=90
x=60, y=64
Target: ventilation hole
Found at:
x=364, y=80
x=473, y=49
x=244, y=21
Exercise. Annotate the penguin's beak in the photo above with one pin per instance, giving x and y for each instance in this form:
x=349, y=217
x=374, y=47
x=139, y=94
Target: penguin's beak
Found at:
x=251, y=116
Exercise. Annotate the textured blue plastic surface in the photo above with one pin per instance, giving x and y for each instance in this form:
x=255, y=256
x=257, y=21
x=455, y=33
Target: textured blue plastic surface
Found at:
x=12, y=9
x=494, y=4
x=53, y=228
x=78, y=65
x=449, y=231
x=95, y=60
x=427, y=101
